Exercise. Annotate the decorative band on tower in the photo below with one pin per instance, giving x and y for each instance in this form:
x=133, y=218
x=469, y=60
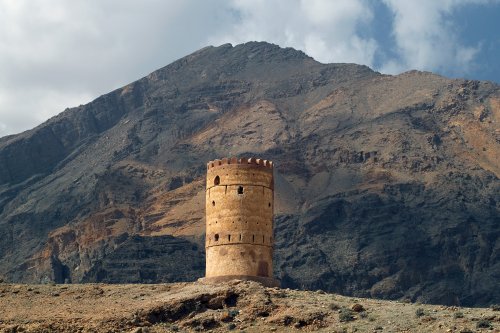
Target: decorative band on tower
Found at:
x=239, y=220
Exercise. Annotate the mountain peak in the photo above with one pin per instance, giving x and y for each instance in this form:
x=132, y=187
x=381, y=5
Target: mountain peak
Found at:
x=270, y=51
x=379, y=179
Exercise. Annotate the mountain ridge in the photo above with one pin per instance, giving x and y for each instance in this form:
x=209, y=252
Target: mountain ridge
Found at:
x=387, y=185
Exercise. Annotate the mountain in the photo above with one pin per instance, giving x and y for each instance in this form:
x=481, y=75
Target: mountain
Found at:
x=386, y=186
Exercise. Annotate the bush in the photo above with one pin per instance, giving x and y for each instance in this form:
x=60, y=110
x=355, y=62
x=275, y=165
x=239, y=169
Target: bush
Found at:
x=420, y=312
x=458, y=315
x=483, y=323
x=346, y=315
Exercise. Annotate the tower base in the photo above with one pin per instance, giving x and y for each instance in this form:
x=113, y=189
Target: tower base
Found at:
x=265, y=281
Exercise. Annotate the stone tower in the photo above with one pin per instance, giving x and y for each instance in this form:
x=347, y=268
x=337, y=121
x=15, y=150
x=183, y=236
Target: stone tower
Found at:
x=239, y=220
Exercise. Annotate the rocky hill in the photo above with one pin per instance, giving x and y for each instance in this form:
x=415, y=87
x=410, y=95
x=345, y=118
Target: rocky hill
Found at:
x=386, y=186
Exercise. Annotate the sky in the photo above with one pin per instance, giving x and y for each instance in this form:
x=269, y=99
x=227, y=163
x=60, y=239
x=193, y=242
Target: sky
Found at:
x=56, y=54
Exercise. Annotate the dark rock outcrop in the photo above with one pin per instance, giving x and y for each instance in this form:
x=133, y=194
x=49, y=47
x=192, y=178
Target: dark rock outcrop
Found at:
x=150, y=260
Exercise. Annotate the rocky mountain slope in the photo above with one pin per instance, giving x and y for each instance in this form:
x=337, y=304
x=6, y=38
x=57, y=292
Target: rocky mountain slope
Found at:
x=386, y=186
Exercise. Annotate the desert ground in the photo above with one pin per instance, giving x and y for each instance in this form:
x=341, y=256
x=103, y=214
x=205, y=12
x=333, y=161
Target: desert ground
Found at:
x=239, y=306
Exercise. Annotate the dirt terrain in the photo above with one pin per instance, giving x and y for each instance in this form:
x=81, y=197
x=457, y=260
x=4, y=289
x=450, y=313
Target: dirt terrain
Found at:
x=234, y=306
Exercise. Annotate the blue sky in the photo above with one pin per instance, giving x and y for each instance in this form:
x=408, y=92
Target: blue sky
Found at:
x=475, y=25
x=481, y=24
x=57, y=53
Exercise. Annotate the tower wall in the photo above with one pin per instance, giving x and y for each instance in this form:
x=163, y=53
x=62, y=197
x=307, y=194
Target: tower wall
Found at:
x=239, y=220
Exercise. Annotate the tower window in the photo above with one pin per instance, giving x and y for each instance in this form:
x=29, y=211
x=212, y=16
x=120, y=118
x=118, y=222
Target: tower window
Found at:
x=229, y=238
x=240, y=237
x=263, y=239
x=240, y=189
x=216, y=237
x=253, y=238
x=269, y=204
x=213, y=203
x=217, y=180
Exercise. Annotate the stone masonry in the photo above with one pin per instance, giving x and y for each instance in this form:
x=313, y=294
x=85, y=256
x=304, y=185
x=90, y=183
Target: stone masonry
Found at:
x=239, y=220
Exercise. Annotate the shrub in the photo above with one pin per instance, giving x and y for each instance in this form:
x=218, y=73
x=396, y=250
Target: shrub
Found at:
x=483, y=323
x=458, y=315
x=420, y=312
x=346, y=315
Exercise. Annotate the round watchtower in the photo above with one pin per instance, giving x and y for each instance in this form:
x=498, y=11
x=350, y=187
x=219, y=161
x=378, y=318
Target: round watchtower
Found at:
x=239, y=220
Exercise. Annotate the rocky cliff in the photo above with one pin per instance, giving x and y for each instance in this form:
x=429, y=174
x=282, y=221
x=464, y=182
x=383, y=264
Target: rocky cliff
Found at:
x=387, y=186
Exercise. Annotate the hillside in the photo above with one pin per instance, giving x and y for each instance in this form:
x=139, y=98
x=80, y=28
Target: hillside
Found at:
x=386, y=186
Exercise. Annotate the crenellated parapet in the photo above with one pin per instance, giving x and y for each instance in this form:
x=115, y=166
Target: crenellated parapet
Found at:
x=234, y=160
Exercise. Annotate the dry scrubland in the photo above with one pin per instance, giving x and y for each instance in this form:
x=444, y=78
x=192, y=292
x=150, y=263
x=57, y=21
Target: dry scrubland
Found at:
x=234, y=306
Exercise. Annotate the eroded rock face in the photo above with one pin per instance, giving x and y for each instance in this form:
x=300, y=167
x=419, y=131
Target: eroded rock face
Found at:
x=386, y=186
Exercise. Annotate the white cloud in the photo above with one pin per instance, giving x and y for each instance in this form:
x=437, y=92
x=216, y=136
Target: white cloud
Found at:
x=57, y=53
x=426, y=37
x=32, y=106
x=326, y=30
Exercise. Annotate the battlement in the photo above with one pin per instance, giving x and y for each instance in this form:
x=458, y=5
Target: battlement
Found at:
x=246, y=161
